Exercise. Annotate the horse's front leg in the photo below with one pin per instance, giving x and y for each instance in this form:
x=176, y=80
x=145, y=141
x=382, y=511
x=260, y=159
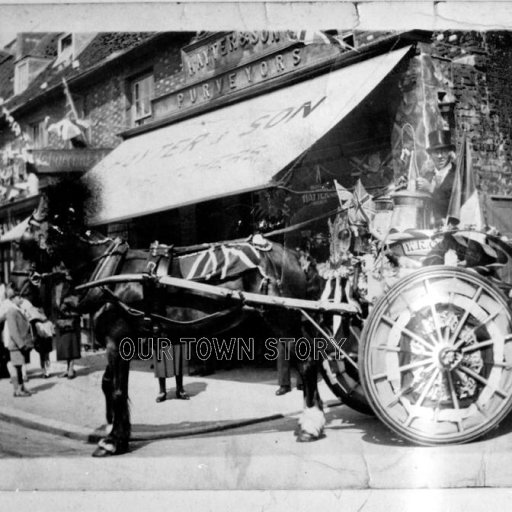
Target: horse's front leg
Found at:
x=107, y=386
x=115, y=386
x=312, y=420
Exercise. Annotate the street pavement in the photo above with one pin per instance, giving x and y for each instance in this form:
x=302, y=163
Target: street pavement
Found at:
x=76, y=408
x=234, y=434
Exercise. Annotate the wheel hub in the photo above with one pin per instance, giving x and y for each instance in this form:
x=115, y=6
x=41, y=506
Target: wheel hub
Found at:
x=448, y=358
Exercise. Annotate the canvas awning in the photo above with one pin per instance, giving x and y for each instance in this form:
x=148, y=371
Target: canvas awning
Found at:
x=15, y=233
x=235, y=149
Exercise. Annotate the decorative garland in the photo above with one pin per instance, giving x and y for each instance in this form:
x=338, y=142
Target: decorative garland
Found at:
x=8, y=175
x=16, y=129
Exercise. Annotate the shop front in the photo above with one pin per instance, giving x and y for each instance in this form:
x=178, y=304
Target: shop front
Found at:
x=220, y=173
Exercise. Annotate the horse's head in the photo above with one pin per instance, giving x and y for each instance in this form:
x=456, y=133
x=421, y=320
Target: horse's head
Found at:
x=57, y=228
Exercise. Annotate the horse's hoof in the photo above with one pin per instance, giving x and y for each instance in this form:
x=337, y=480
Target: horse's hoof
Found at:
x=101, y=452
x=305, y=437
x=106, y=448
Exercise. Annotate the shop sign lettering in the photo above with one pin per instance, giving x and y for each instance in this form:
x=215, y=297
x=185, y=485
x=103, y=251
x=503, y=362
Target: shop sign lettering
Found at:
x=417, y=247
x=317, y=196
x=228, y=83
x=229, y=135
x=203, y=59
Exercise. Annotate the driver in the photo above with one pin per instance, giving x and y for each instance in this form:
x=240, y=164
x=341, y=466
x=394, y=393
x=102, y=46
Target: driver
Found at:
x=440, y=184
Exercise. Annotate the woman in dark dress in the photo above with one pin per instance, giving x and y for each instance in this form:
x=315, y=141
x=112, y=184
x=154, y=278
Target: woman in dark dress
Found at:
x=169, y=361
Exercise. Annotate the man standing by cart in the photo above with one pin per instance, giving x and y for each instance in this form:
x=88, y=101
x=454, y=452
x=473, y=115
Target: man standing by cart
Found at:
x=440, y=184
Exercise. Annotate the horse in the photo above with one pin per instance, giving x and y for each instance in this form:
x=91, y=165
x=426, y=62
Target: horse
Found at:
x=61, y=255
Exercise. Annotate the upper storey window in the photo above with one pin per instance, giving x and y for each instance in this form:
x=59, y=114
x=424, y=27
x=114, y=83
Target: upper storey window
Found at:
x=142, y=93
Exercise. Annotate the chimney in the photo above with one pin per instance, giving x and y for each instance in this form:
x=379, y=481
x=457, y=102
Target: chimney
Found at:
x=26, y=42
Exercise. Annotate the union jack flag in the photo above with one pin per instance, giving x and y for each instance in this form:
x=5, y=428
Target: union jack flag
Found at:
x=219, y=262
x=364, y=207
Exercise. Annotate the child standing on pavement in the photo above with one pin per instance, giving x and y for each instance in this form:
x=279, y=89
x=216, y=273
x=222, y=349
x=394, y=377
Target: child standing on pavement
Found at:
x=19, y=338
x=42, y=332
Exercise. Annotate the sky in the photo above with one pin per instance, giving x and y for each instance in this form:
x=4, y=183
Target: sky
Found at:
x=6, y=36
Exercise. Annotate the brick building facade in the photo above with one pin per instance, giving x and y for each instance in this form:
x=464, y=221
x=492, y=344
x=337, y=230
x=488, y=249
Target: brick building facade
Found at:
x=462, y=82
x=453, y=80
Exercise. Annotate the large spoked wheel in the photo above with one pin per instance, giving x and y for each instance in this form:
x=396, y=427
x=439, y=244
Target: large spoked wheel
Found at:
x=436, y=357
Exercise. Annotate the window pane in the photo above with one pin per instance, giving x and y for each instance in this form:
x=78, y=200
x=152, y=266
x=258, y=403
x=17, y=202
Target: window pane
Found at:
x=142, y=94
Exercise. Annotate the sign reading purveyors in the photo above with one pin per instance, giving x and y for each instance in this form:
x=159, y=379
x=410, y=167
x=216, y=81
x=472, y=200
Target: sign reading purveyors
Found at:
x=216, y=67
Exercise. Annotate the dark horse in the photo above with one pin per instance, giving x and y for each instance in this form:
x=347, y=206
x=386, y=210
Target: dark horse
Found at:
x=133, y=309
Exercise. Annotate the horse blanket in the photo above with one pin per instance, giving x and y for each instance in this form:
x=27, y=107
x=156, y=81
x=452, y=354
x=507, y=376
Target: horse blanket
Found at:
x=220, y=262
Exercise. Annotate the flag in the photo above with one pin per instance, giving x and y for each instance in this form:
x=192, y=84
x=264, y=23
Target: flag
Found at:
x=345, y=196
x=71, y=127
x=220, y=262
x=65, y=129
x=364, y=207
x=412, y=174
x=465, y=201
x=314, y=37
x=333, y=37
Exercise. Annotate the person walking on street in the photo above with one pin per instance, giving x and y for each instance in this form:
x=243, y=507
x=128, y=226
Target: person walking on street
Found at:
x=284, y=349
x=42, y=332
x=19, y=338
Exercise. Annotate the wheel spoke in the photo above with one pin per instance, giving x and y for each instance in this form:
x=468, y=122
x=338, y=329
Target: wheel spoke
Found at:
x=462, y=321
x=455, y=400
x=398, y=395
x=477, y=346
x=409, y=333
x=435, y=317
x=482, y=380
x=453, y=393
x=428, y=387
x=417, y=338
x=411, y=414
x=401, y=350
x=481, y=324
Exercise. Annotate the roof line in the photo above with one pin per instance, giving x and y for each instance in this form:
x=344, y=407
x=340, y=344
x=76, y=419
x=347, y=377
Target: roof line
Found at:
x=84, y=74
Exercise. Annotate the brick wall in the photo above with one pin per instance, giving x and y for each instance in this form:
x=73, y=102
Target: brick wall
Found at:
x=105, y=106
x=168, y=71
x=480, y=69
